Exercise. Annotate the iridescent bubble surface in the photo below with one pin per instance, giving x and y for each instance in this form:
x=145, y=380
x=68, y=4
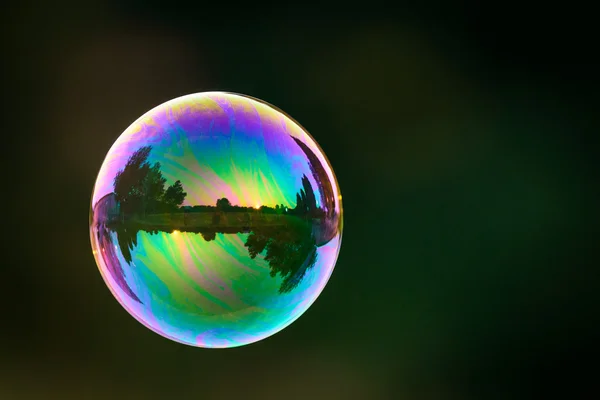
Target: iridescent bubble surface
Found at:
x=216, y=220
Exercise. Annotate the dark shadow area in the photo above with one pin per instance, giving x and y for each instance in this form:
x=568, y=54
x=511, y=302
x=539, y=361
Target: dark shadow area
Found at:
x=287, y=238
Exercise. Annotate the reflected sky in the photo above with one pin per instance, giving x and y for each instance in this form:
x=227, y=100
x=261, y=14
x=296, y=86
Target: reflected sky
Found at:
x=220, y=145
x=220, y=295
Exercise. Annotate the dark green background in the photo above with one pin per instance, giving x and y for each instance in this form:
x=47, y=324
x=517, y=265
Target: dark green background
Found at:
x=464, y=143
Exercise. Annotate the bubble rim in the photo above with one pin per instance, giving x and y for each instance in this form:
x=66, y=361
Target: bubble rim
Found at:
x=181, y=99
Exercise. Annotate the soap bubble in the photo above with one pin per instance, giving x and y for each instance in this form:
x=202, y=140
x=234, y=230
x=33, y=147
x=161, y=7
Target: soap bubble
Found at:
x=216, y=220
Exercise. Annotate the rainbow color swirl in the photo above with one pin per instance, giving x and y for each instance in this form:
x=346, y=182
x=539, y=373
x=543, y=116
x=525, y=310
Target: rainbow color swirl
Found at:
x=216, y=220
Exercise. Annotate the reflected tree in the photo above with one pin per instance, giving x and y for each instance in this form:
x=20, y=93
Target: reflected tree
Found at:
x=111, y=258
x=174, y=195
x=284, y=236
x=328, y=215
x=223, y=204
x=154, y=190
x=290, y=252
x=127, y=239
x=306, y=201
x=140, y=187
x=129, y=183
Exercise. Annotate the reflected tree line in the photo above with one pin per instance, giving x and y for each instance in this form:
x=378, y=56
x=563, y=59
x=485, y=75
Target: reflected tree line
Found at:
x=286, y=237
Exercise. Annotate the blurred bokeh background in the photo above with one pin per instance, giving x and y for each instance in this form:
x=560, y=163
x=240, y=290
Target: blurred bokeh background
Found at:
x=465, y=145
